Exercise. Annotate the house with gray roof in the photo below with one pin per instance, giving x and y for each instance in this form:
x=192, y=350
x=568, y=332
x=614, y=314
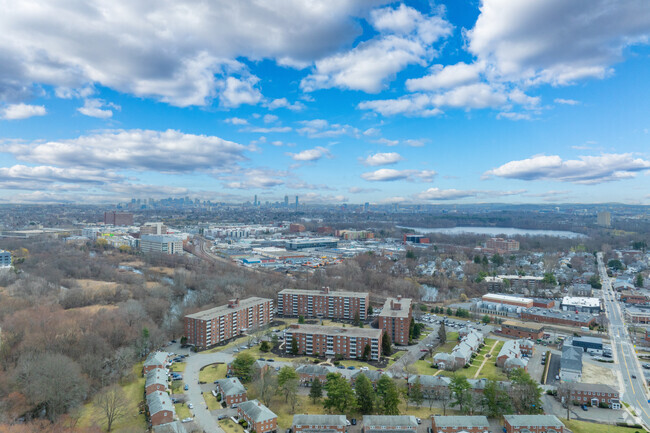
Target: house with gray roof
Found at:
x=309, y=372
x=231, y=390
x=389, y=424
x=155, y=360
x=430, y=384
x=318, y=424
x=512, y=354
x=372, y=375
x=170, y=427
x=157, y=380
x=461, y=354
x=259, y=417
x=571, y=364
x=532, y=424
x=456, y=424
x=161, y=409
x=478, y=385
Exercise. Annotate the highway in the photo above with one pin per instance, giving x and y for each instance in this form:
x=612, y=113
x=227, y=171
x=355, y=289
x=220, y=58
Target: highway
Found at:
x=634, y=391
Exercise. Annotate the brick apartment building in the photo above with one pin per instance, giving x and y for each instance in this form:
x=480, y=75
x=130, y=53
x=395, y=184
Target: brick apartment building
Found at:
x=630, y=297
x=154, y=360
x=569, y=318
x=156, y=380
x=318, y=424
x=259, y=417
x=209, y=327
x=310, y=372
x=389, y=424
x=161, y=409
x=118, y=218
x=331, y=341
x=323, y=303
x=395, y=319
x=531, y=331
x=456, y=424
x=532, y=424
x=232, y=391
x=501, y=245
x=594, y=394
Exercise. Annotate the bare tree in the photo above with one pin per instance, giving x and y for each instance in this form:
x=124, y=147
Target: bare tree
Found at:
x=443, y=395
x=266, y=386
x=112, y=402
x=564, y=392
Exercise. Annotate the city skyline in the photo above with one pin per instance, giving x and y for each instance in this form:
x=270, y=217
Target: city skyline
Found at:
x=383, y=102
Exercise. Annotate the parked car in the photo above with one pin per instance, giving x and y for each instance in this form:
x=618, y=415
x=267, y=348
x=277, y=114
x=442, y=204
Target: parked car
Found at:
x=347, y=422
x=353, y=421
x=186, y=387
x=220, y=417
x=342, y=367
x=190, y=405
x=418, y=420
x=351, y=367
x=187, y=420
x=634, y=376
x=584, y=407
x=234, y=406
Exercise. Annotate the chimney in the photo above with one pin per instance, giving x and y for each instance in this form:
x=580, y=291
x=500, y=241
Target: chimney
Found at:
x=325, y=290
x=399, y=297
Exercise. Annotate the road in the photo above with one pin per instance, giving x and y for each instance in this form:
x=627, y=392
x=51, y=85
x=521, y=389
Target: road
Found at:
x=634, y=389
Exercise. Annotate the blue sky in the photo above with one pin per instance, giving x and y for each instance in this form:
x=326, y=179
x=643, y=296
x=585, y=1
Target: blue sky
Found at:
x=335, y=101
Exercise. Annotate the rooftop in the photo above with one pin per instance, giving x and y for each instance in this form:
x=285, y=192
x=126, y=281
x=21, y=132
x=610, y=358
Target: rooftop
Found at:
x=461, y=421
x=335, y=331
x=389, y=421
x=594, y=387
x=156, y=358
x=531, y=326
x=499, y=297
x=156, y=376
x=557, y=314
x=342, y=293
x=159, y=401
x=533, y=420
x=231, y=386
x=581, y=301
x=225, y=309
x=319, y=420
x=257, y=411
x=160, y=238
x=390, y=307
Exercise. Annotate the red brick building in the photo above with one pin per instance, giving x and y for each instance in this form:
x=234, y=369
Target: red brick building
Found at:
x=232, y=391
x=543, y=303
x=154, y=360
x=594, y=394
x=630, y=297
x=323, y=303
x=310, y=372
x=161, y=409
x=532, y=331
x=501, y=245
x=569, y=318
x=296, y=228
x=395, y=319
x=319, y=424
x=259, y=417
x=156, y=381
x=532, y=424
x=209, y=327
x=456, y=424
x=348, y=342
x=118, y=218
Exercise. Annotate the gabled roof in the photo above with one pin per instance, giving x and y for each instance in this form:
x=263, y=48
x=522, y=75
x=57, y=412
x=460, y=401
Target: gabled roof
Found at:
x=319, y=420
x=461, y=421
x=170, y=427
x=156, y=358
x=231, y=386
x=428, y=381
x=372, y=375
x=257, y=411
x=593, y=387
x=533, y=421
x=315, y=370
x=159, y=401
x=389, y=421
x=571, y=358
x=156, y=376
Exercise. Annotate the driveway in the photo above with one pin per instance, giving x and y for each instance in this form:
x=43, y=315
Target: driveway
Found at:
x=593, y=414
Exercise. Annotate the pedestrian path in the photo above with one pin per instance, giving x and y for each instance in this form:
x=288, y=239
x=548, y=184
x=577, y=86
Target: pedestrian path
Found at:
x=485, y=358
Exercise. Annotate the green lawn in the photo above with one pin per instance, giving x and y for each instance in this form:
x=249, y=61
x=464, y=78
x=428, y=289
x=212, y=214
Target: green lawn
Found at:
x=424, y=367
x=589, y=427
x=230, y=427
x=395, y=357
x=91, y=415
x=182, y=411
x=177, y=387
x=491, y=371
x=211, y=401
x=213, y=372
x=452, y=341
x=357, y=364
x=178, y=367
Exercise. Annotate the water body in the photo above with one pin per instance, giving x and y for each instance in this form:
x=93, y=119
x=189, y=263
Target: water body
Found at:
x=495, y=231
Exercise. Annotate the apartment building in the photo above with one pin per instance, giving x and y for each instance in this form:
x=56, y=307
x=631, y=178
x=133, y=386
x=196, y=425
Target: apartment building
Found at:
x=324, y=303
x=522, y=330
x=210, y=327
x=456, y=424
x=431, y=385
x=232, y=391
x=532, y=424
x=595, y=394
x=389, y=423
x=155, y=360
x=156, y=380
x=118, y=218
x=331, y=341
x=395, y=319
x=161, y=244
x=514, y=354
x=259, y=417
x=318, y=424
x=5, y=259
x=161, y=409
x=501, y=245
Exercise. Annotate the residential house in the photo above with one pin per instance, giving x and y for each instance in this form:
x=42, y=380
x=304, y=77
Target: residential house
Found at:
x=595, y=394
x=155, y=360
x=309, y=372
x=232, y=391
x=170, y=427
x=457, y=424
x=571, y=364
x=157, y=380
x=161, y=409
x=318, y=424
x=431, y=385
x=512, y=354
x=532, y=424
x=389, y=424
x=259, y=417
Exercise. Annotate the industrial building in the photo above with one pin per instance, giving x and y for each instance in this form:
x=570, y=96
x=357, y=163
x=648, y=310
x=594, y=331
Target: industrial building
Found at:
x=395, y=319
x=580, y=304
x=162, y=244
x=303, y=243
x=543, y=315
x=349, y=342
x=323, y=303
x=588, y=344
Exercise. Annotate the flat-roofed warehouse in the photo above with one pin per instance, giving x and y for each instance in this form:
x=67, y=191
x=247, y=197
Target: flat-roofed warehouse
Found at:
x=497, y=298
x=581, y=304
x=513, y=329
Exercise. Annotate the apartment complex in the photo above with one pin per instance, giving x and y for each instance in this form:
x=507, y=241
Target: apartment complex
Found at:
x=319, y=424
x=161, y=409
x=457, y=424
x=395, y=319
x=330, y=340
x=389, y=424
x=501, y=245
x=232, y=391
x=209, y=327
x=259, y=417
x=118, y=218
x=161, y=244
x=323, y=303
x=157, y=380
x=595, y=394
x=604, y=219
x=532, y=424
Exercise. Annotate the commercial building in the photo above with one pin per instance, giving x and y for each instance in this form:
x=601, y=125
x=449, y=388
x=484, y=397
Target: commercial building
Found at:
x=580, y=304
x=637, y=314
x=319, y=424
x=5, y=259
x=259, y=417
x=155, y=360
x=323, y=304
x=210, y=327
x=162, y=244
x=456, y=424
x=350, y=235
x=515, y=301
x=588, y=344
x=604, y=219
x=118, y=218
x=153, y=229
x=349, y=343
x=532, y=331
x=543, y=315
x=595, y=395
x=532, y=424
x=501, y=245
x=389, y=424
x=571, y=364
x=232, y=391
x=303, y=243
x=395, y=319
x=630, y=297
x=161, y=409
x=416, y=239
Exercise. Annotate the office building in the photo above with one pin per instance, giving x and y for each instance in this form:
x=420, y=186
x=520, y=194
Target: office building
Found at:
x=5, y=259
x=416, y=239
x=502, y=246
x=296, y=202
x=604, y=219
x=286, y=201
x=595, y=395
x=350, y=343
x=532, y=424
x=156, y=228
x=319, y=424
x=304, y=243
x=457, y=424
x=209, y=327
x=118, y=218
x=580, y=304
x=395, y=319
x=325, y=304
x=161, y=244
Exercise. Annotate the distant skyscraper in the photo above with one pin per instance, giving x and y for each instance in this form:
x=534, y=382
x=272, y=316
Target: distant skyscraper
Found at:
x=366, y=207
x=286, y=201
x=604, y=219
x=296, y=202
x=255, y=201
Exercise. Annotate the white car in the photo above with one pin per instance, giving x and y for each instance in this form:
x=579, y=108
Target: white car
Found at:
x=347, y=422
x=190, y=405
x=187, y=420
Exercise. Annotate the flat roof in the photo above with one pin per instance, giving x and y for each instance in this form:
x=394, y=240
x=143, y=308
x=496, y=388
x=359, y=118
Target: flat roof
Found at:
x=225, y=309
x=343, y=293
x=348, y=331
x=558, y=314
x=402, y=312
x=533, y=326
x=500, y=297
x=581, y=301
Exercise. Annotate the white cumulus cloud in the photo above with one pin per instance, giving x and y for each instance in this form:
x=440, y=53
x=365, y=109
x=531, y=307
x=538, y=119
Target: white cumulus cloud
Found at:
x=22, y=111
x=310, y=154
x=382, y=159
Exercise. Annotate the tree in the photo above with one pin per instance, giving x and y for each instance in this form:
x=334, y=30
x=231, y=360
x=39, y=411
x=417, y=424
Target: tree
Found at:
x=112, y=403
x=449, y=311
x=287, y=381
x=462, y=392
x=477, y=259
x=316, y=391
x=495, y=400
x=301, y=319
x=549, y=278
x=357, y=319
x=242, y=367
x=443, y=395
x=390, y=397
x=638, y=281
x=386, y=348
x=367, y=352
x=294, y=346
x=615, y=265
x=497, y=260
x=266, y=386
x=442, y=333
x=370, y=311
x=564, y=392
x=275, y=340
x=365, y=394
x=485, y=262
x=410, y=254
x=594, y=281
x=486, y=319
x=526, y=393
x=265, y=347
x=340, y=395
x=415, y=393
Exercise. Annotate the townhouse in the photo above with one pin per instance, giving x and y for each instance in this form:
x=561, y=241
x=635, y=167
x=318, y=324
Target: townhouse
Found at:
x=161, y=409
x=259, y=417
x=310, y=372
x=395, y=319
x=318, y=424
x=595, y=395
x=231, y=390
x=514, y=353
x=372, y=375
x=155, y=360
x=431, y=385
x=156, y=380
x=462, y=352
x=456, y=424
x=532, y=424
x=349, y=343
x=324, y=303
x=213, y=326
x=389, y=424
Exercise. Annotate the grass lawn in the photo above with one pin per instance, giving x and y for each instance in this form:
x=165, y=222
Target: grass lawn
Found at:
x=211, y=401
x=133, y=395
x=491, y=371
x=395, y=357
x=357, y=364
x=589, y=427
x=182, y=411
x=424, y=367
x=212, y=372
x=255, y=352
x=178, y=367
x=230, y=427
x=177, y=387
x=423, y=411
x=452, y=341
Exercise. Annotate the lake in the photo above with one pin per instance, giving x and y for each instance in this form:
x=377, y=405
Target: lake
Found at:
x=495, y=231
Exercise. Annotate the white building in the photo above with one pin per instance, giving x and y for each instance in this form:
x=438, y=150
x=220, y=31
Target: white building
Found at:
x=5, y=259
x=161, y=244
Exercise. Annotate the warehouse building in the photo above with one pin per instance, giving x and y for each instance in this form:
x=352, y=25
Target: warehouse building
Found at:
x=543, y=315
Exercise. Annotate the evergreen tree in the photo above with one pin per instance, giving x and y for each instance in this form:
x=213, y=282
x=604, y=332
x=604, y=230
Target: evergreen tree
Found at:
x=340, y=395
x=316, y=391
x=265, y=347
x=415, y=394
x=294, y=346
x=462, y=392
x=242, y=366
x=386, y=348
x=370, y=311
x=495, y=400
x=391, y=399
x=449, y=311
x=365, y=394
x=442, y=333
x=367, y=353
x=357, y=319
x=638, y=281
